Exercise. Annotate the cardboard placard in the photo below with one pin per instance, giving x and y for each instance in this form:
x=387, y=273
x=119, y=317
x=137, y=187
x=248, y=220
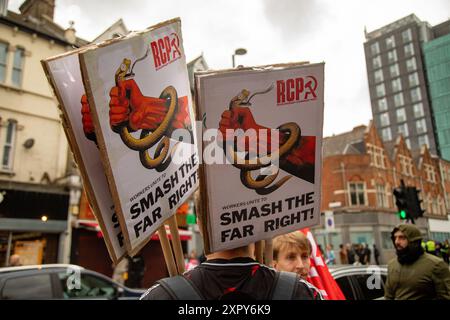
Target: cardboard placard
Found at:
x=64, y=75
x=249, y=202
x=150, y=173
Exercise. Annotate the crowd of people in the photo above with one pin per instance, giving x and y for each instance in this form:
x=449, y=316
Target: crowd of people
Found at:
x=355, y=254
x=438, y=249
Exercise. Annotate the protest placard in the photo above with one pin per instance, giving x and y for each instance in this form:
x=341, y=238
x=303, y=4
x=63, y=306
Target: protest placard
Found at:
x=64, y=75
x=262, y=142
x=139, y=94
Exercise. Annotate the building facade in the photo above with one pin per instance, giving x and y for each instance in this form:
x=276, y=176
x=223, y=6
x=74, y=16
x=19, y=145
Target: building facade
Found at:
x=397, y=78
x=437, y=65
x=359, y=174
x=38, y=182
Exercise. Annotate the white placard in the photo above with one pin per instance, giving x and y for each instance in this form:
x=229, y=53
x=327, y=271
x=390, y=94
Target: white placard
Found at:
x=65, y=77
x=234, y=213
x=151, y=65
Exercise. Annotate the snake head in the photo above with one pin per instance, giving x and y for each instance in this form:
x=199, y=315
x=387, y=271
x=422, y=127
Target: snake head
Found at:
x=123, y=69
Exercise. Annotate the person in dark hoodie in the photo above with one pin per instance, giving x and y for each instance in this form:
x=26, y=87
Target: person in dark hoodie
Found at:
x=415, y=274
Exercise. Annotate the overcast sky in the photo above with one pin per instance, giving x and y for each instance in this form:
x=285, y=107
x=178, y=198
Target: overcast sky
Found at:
x=272, y=31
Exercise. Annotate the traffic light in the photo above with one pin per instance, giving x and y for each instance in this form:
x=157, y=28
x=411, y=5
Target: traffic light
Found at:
x=415, y=209
x=401, y=201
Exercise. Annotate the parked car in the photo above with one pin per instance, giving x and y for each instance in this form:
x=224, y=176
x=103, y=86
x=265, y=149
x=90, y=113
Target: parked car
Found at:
x=60, y=281
x=360, y=282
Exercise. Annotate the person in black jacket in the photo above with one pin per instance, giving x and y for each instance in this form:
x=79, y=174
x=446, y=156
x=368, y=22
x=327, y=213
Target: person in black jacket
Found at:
x=234, y=275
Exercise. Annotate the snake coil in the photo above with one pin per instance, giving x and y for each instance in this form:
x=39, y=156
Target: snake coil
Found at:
x=148, y=139
x=262, y=182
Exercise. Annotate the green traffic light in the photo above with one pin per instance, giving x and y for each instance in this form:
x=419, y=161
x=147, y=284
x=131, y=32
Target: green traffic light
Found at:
x=402, y=214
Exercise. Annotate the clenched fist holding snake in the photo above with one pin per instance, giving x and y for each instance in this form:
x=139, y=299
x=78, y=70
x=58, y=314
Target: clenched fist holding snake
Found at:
x=130, y=111
x=296, y=153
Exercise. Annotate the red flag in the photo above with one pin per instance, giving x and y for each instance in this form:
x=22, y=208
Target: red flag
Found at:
x=319, y=275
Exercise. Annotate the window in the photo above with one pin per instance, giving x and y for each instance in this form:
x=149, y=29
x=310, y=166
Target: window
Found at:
x=421, y=126
x=406, y=165
x=384, y=119
x=31, y=287
x=394, y=70
x=413, y=79
x=392, y=56
x=431, y=177
x=3, y=55
x=435, y=206
x=406, y=36
x=409, y=50
x=416, y=95
x=423, y=140
x=396, y=85
x=376, y=62
x=398, y=99
x=8, y=149
x=403, y=129
x=376, y=156
x=401, y=115
x=390, y=42
x=378, y=75
x=346, y=288
x=90, y=287
x=380, y=90
x=382, y=104
x=369, y=293
x=381, y=196
x=386, y=134
x=357, y=194
x=411, y=64
x=375, y=48
x=418, y=110
x=17, y=67
x=386, y=241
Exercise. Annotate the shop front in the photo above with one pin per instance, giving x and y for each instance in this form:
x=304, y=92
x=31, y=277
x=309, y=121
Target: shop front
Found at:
x=33, y=220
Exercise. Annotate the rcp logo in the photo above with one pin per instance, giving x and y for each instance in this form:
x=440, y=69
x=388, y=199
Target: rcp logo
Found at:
x=296, y=90
x=165, y=50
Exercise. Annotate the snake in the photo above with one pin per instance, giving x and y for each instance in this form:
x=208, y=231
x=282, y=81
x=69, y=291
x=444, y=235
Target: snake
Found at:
x=262, y=182
x=148, y=139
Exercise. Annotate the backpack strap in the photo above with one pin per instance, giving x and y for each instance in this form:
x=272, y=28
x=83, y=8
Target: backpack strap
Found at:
x=180, y=288
x=284, y=287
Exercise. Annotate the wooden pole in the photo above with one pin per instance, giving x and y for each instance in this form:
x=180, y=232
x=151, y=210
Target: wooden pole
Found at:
x=268, y=252
x=167, y=251
x=259, y=252
x=176, y=243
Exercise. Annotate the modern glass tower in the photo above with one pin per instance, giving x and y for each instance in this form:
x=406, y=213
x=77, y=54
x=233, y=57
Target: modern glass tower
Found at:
x=397, y=77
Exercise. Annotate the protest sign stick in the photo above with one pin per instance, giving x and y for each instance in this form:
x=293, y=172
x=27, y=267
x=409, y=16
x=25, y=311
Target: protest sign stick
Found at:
x=167, y=251
x=268, y=252
x=176, y=243
x=259, y=251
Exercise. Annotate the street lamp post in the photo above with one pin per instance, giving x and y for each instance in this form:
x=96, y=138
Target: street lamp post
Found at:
x=238, y=52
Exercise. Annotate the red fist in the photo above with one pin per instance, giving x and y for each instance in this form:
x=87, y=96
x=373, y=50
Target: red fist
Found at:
x=242, y=118
x=86, y=118
x=129, y=107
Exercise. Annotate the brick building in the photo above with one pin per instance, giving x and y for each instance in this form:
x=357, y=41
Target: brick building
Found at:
x=359, y=174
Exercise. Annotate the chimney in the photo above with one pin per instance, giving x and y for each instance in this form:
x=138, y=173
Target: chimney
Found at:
x=3, y=7
x=38, y=8
x=70, y=32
